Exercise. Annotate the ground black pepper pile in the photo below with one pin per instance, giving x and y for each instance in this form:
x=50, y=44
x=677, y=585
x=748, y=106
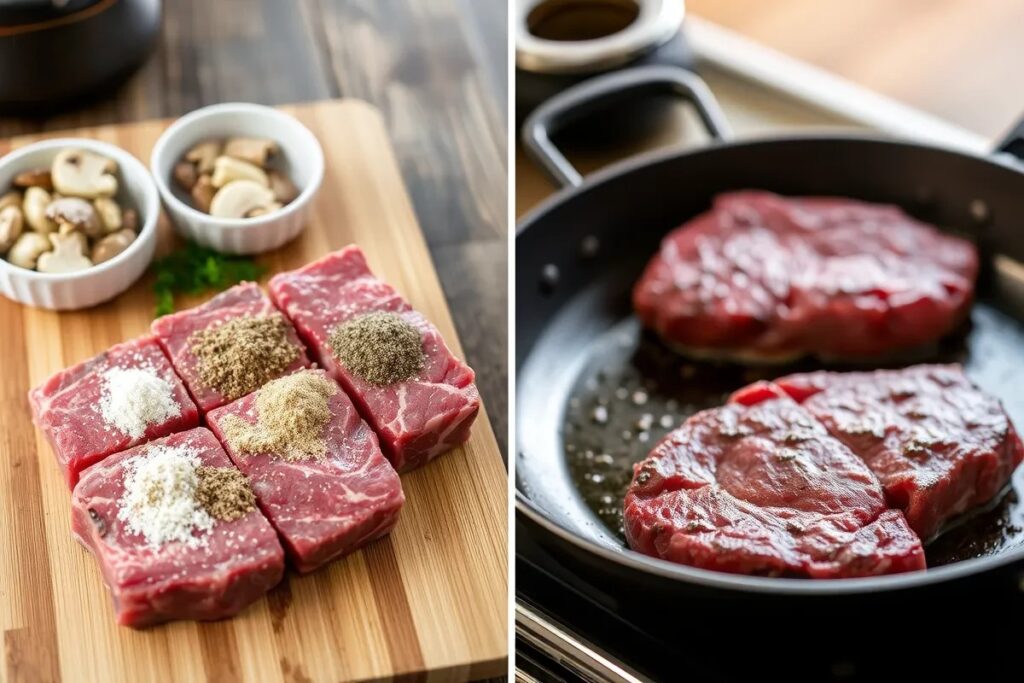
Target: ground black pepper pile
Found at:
x=381, y=347
x=242, y=354
x=224, y=493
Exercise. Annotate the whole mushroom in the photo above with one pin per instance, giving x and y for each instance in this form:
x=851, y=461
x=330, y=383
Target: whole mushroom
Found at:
x=66, y=257
x=78, y=213
x=10, y=199
x=36, y=177
x=203, y=155
x=81, y=173
x=34, y=207
x=284, y=189
x=11, y=222
x=27, y=249
x=254, y=150
x=112, y=245
x=110, y=214
x=203, y=192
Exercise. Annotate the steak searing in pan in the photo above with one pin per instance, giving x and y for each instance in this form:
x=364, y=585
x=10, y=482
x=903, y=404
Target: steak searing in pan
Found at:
x=784, y=479
x=768, y=278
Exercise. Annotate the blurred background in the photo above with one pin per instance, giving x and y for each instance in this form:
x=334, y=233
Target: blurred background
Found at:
x=958, y=59
x=437, y=70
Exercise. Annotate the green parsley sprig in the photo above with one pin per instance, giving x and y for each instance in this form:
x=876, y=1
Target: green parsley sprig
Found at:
x=194, y=269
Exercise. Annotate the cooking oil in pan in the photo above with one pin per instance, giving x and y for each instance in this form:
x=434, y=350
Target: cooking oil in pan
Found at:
x=633, y=391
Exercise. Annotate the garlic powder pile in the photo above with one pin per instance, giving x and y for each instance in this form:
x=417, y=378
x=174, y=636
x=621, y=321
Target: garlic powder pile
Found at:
x=159, y=501
x=134, y=398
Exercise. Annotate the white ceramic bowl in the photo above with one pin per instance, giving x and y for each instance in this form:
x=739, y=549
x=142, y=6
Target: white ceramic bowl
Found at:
x=302, y=160
x=99, y=283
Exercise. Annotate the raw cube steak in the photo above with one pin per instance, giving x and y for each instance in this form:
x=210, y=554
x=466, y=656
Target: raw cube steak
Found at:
x=764, y=489
x=67, y=407
x=417, y=419
x=938, y=445
x=173, y=332
x=239, y=562
x=322, y=508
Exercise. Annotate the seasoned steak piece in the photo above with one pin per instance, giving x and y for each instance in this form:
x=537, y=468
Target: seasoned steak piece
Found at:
x=769, y=278
x=326, y=507
x=765, y=490
x=938, y=444
x=239, y=561
x=67, y=407
x=174, y=332
x=416, y=419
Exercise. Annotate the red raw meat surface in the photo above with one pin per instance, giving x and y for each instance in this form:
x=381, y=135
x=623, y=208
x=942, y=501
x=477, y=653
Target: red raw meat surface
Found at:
x=173, y=332
x=327, y=507
x=765, y=277
x=765, y=490
x=241, y=560
x=416, y=420
x=938, y=445
x=67, y=407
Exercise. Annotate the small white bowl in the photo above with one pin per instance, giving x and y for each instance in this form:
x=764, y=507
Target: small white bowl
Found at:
x=69, y=291
x=301, y=159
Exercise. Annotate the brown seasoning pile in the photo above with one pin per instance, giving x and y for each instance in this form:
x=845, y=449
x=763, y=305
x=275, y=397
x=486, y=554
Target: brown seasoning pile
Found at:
x=291, y=415
x=381, y=347
x=224, y=493
x=242, y=354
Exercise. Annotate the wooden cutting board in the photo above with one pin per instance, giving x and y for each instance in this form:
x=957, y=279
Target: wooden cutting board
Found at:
x=428, y=601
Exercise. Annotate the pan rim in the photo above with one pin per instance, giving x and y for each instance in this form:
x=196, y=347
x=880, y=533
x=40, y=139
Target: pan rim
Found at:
x=635, y=561
x=629, y=558
x=614, y=170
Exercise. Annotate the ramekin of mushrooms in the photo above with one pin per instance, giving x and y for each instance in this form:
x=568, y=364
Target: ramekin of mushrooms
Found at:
x=77, y=222
x=238, y=177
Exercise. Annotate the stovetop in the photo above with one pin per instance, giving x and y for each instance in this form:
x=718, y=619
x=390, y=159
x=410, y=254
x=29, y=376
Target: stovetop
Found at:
x=575, y=626
x=572, y=627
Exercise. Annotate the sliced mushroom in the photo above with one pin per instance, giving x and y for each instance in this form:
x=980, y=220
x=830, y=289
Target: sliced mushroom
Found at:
x=284, y=189
x=186, y=175
x=27, y=249
x=254, y=150
x=112, y=245
x=203, y=155
x=10, y=199
x=11, y=224
x=264, y=210
x=202, y=193
x=110, y=214
x=37, y=177
x=238, y=198
x=66, y=257
x=229, y=169
x=130, y=220
x=78, y=213
x=80, y=173
x=34, y=207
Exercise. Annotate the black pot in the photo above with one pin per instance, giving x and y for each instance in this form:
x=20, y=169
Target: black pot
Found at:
x=55, y=52
x=562, y=42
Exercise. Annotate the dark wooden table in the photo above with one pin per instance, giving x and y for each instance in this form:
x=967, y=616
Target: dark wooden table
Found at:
x=435, y=68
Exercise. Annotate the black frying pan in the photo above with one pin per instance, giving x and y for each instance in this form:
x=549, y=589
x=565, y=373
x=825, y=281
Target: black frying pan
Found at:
x=578, y=348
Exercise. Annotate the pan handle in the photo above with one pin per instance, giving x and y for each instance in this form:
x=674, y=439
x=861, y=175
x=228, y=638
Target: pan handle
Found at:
x=595, y=93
